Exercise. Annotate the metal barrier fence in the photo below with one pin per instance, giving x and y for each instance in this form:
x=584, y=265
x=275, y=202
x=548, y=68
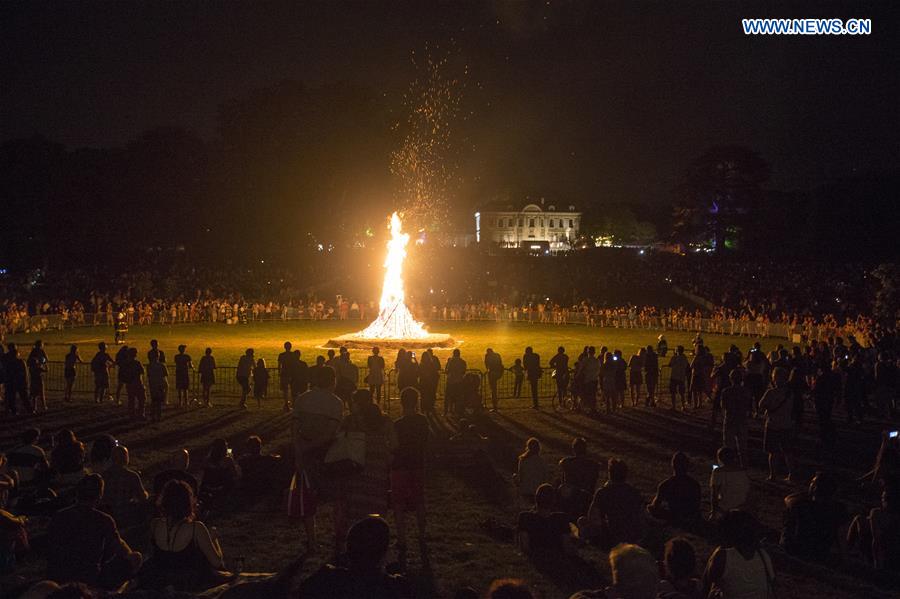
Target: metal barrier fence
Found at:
x=226, y=385
x=51, y=322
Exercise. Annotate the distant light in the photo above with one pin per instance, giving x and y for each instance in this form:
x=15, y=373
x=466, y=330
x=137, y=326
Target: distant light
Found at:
x=262, y=261
x=641, y=252
x=320, y=247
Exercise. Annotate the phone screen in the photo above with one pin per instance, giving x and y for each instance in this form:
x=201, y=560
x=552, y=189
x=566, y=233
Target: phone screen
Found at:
x=715, y=466
x=893, y=434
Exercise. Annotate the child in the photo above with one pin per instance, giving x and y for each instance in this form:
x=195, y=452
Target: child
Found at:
x=260, y=380
x=519, y=374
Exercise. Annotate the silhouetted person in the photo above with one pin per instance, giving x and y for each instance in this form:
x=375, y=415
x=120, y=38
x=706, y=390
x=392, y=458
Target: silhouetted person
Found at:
x=531, y=362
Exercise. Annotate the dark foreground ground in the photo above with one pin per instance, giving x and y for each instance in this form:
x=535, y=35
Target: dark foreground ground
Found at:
x=461, y=498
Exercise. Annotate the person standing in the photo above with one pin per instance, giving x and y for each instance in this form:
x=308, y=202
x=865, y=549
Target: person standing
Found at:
x=72, y=358
x=207, y=370
x=375, y=377
x=651, y=376
x=37, y=368
x=284, y=374
x=408, y=470
x=260, y=381
x=531, y=362
x=158, y=383
x=316, y=418
x=100, y=364
x=560, y=365
x=243, y=372
x=299, y=375
x=777, y=405
x=16, y=384
x=134, y=384
x=183, y=365
x=456, y=372
x=121, y=360
x=635, y=375
x=493, y=363
x=738, y=405
x=678, y=370
x=429, y=375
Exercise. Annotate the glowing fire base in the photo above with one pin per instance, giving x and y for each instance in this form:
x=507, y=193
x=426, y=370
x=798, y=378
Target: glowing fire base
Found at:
x=356, y=341
x=395, y=326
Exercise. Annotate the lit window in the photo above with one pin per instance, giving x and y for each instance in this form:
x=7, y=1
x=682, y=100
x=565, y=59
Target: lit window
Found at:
x=530, y=222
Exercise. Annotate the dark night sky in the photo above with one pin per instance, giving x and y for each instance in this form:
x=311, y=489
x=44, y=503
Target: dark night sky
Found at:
x=607, y=100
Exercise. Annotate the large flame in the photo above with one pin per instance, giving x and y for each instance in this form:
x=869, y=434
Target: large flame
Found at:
x=394, y=321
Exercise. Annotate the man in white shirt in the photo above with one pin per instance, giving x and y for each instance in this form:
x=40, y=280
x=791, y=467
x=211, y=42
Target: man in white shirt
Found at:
x=316, y=418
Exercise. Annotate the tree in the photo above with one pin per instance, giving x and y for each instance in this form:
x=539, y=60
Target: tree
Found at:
x=717, y=193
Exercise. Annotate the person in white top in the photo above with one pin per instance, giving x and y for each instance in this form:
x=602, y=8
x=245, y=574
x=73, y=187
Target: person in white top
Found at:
x=317, y=415
x=740, y=568
x=729, y=485
x=532, y=471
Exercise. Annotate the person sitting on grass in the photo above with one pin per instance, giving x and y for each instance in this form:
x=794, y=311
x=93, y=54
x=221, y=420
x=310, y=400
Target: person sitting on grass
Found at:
x=579, y=479
x=814, y=522
x=83, y=543
x=543, y=532
x=258, y=470
x=29, y=459
x=67, y=458
x=616, y=513
x=186, y=554
x=220, y=474
x=677, y=498
x=178, y=468
x=634, y=575
x=125, y=495
x=729, y=484
x=364, y=576
x=532, y=470
x=679, y=563
x=101, y=454
x=878, y=536
x=739, y=567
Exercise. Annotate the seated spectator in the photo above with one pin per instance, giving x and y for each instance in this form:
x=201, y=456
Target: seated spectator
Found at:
x=634, y=575
x=729, y=484
x=679, y=562
x=83, y=543
x=29, y=460
x=616, y=513
x=178, y=470
x=467, y=447
x=101, y=453
x=186, y=556
x=67, y=458
x=532, y=471
x=9, y=483
x=509, y=588
x=885, y=530
x=258, y=470
x=814, y=522
x=13, y=541
x=125, y=496
x=678, y=497
x=220, y=474
x=739, y=567
x=579, y=479
x=367, y=546
x=543, y=532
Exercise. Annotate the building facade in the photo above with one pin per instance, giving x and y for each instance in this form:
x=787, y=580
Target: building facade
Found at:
x=533, y=227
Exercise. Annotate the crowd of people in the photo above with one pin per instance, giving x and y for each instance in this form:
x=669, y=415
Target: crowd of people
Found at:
x=349, y=454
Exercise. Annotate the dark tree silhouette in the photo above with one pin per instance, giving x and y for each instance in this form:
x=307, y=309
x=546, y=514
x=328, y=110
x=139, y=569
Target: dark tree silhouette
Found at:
x=717, y=193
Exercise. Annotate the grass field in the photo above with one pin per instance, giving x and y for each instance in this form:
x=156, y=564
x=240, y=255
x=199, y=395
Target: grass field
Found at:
x=460, y=499
x=510, y=339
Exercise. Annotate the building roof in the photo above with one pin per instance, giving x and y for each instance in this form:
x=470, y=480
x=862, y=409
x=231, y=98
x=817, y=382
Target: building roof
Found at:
x=526, y=205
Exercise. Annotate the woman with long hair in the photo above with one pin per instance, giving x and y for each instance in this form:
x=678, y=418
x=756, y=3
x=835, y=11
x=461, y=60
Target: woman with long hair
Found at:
x=186, y=555
x=532, y=471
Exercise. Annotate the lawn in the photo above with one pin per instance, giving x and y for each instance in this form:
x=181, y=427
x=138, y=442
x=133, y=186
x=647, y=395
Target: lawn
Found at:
x=230, y=341
x=461, y=498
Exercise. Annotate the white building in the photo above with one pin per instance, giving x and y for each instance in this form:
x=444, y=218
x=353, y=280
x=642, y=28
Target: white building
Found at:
x=533, y=227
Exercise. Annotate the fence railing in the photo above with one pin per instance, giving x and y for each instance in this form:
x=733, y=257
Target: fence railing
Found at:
x=226, y=387
x=752, y=328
